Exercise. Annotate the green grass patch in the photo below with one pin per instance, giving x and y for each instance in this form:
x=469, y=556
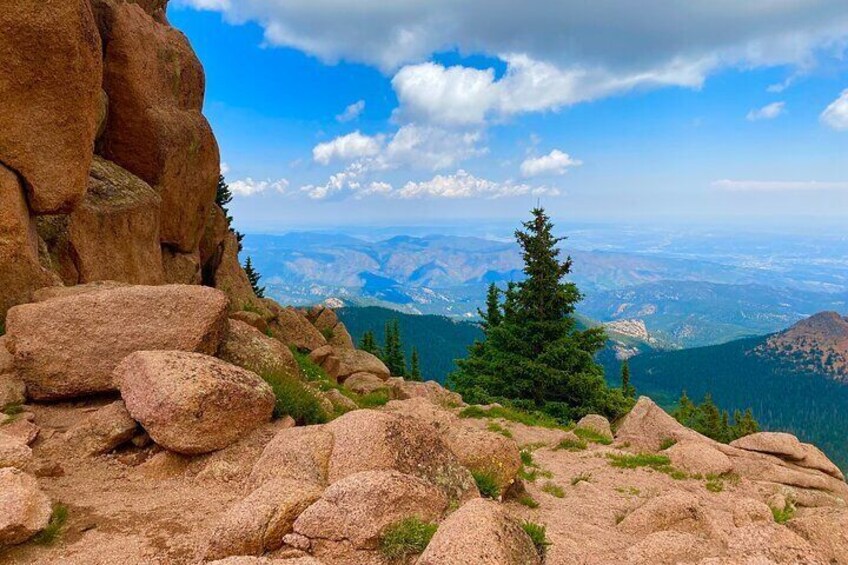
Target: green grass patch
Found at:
x=528, y=501
x=13, y=409
x=527, y=458
x=487, y=484
x=553, y=489
x=628, y=461
x=310, y=370
x=498, y=429
x=714, y=484
x=538, y=535
x=783, y=515
x=406, y=538
x=293, y=398
x=536, y=419
x=373, y=399
x=587, y=477
x=571, y=444
x=249, y=307
x=592, y=436
x=327, y=333
x=529, y=475
x=54, y=527
x=666, y=443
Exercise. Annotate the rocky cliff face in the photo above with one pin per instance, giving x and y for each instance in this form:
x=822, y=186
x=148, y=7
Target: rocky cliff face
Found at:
x=107, y=166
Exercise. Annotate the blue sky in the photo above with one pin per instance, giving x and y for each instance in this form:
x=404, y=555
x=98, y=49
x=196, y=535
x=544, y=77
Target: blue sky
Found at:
x=377, y=113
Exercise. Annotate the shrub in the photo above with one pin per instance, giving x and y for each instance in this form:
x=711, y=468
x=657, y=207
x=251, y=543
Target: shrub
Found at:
x=553, y=490
x=406, y=538
x=308, y=368
x=54, y=527
x=538, y=535
x=572, y=444
x=293, y=398
x=783, y=515
x=327, y=333
x=592, y=436
x=487, y=484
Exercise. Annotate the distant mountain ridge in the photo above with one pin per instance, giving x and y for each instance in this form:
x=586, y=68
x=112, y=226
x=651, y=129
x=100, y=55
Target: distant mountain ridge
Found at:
x=818, y=344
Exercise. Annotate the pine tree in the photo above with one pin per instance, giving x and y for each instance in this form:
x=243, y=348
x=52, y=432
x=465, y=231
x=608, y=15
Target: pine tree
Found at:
x=415, y=367
x=536, y=354
x=369, y=344
x=394, y=357
x=626, y=388
x=224, y=196
x=253, y=276
x=492, y=316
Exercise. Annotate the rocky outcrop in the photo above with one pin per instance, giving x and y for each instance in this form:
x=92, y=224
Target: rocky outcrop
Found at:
x=480, y=532
x=154, y=129
x=699, y=458
x=648, y=427
x=485, y=452
x=341, y=363
x=787, y=447
x=50, y=88
x=293, y=328
x=68, y=347
x=365, y=383
x=25, y=508
x=297, y=453
x=192, y=403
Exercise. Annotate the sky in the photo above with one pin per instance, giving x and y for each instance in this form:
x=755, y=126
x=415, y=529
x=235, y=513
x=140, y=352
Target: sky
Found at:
x=332, y=112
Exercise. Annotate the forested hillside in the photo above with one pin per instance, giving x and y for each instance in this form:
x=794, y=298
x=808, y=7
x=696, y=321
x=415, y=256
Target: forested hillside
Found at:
x=439, y=340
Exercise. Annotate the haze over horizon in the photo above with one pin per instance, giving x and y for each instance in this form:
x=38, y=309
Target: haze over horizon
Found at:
x=715, y=113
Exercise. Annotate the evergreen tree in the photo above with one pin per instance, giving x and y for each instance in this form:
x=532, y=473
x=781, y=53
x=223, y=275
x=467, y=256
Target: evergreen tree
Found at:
x=536, y=353
x=394, y=357
x=224, y=196
x=415, y=367
x=369, y=344
x=707, y=419
x=626, y=388
x=253, y=276
x=492, y=316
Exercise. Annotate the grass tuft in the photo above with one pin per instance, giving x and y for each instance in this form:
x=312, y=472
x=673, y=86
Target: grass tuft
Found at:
x=310, y=370
x=592, y=436
x=587, y=477
x=406, y=538
x=528, y=501
x=13, y=409
x=714, y=484
x=487, y=484
x=498, y=429
x=538, y=535
x=54, y=527
x=536, y=419
x=293, y=398
x=638, y=460
x=783, y=515
x=570, y=444
x=553, y=490
x=373, y=399
x=666, y=443
x=527, y=458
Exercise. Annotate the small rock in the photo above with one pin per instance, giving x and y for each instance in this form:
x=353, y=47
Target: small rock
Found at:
x=103, y=430
x=597, y=424
x=341, y=402
x=250, y=349
x=251, y=319
x=292, y=328
x=14, y=452
x=24, y=509
x=364, y=383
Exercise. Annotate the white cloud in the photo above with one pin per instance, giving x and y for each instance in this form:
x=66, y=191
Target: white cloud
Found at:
x=836, y=114
x=225, y=168
x=554, y=163
x=428, y=147
x=249, y=187
x=465, y=185
x=347, y=148
x=352, y=112
x=767, y=112
x=777, y=186
x=347, y=179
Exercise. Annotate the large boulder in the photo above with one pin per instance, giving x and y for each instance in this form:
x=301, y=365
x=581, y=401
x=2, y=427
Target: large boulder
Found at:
x=24, y=509
x=50, y=88
x=259, y=522
x=359, y=507
x=192, y=403
x=365, y=383
x=431, y=391
x=230, y=278
x=68, y=347
x=597, y=424
x=247, y=347
x=699, y=458
x=482, y=533
x=783, y=445
x=827, y=530
x=155, y=129
x=103, y=430
x=113, y=233
x=367, y=440
x=212, y=243
x=342, y=363
x=21, y=271
x=648, y=427
x=292, y=328
x=301, y=453
x=180, y=268
x=485, y=452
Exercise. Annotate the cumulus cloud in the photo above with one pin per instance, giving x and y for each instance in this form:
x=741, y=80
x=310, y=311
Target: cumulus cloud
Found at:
x=554, y=163
x=465, y=185
x=347, y=148
x=351, y=112
x=767, y=112
x=249, y=186
x=777, y=186
x=836, y=114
